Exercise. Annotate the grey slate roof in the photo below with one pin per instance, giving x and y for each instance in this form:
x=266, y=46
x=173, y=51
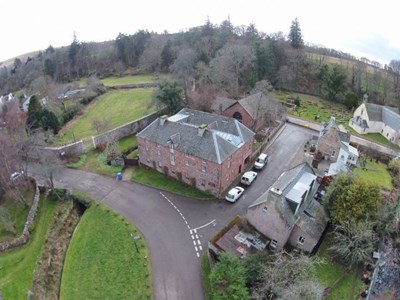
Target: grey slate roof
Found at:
x=331, y=125
x=219, y=141
x=285, y=182
x=312, y=217
x=255, y=105
x=223, y=103
x=388, y=115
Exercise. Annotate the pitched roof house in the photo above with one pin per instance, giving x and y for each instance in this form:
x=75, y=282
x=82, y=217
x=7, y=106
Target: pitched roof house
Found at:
x=207, y=151
x=374, y=118
x=251, y=110
x=334, y=148
x=288, y=213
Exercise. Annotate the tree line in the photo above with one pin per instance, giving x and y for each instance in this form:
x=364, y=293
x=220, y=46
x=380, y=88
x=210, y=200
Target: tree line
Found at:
x=225, y=58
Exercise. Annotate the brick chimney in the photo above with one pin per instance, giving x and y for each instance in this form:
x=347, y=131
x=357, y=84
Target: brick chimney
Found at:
x=201, y=129
x=163, y=119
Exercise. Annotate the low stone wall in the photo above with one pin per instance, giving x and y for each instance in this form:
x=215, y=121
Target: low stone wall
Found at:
x=73, y=149
x=124, y=130
x=30, y=220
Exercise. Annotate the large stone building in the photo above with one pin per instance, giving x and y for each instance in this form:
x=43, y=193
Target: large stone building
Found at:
x=204, y=150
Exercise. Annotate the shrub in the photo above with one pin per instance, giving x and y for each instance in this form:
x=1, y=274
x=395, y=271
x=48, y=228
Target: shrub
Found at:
x=394, y=166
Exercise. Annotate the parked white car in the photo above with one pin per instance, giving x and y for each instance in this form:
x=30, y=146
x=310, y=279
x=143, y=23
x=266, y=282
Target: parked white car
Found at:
x=261, y=161
x=15, y=175
x=234, y=194
x=248, y=177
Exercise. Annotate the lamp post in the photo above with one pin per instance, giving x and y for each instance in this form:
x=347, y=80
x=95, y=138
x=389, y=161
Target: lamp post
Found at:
x=134, y=239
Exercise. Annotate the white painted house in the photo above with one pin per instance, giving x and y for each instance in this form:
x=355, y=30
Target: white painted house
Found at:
x=374, y=118
x=347, y=158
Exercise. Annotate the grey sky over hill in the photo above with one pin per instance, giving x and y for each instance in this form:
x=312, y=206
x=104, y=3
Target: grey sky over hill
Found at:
x=361, y=28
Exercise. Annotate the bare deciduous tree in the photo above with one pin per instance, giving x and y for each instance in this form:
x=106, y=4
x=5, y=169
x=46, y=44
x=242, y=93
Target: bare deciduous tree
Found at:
x=286, y=274
x=232, y=63
x=100, y=125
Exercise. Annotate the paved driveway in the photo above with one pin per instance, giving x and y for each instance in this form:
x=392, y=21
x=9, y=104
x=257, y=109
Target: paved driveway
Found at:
x=176, y=228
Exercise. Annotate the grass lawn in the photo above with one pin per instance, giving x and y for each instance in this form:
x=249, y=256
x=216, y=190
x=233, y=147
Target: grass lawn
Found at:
x=331, y=275
x=375, y=173
x=205, y=273
x=127, y=142
x=118, y=107
x=311, y=106
x=160, y=181
x=17, y=212
x=102, y=261
x=95, y=162
x=129, y=79
x=16, y=267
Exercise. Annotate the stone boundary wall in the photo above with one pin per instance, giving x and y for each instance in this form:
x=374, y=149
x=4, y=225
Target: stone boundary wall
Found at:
x=30, y=221
x=132, y=86
x=73, y=149
x=124, y=130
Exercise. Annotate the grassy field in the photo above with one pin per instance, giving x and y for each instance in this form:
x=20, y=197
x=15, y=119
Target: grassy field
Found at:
x=124, y=80
x=95, y=162
x=376, y=173
x=341, y=284
x=17, y=212
x=102, y=261
x=16, y=267
x=118, y=107
x=160, y=181
x=127, y=142
x=311, y=106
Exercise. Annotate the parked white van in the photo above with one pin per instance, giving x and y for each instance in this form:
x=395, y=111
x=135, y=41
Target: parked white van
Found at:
x=248, y=177
x=261, y=161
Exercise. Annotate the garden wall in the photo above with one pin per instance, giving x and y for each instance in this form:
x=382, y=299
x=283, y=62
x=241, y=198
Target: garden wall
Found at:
x=124, y=130
x=73, y=149
x=30, y=220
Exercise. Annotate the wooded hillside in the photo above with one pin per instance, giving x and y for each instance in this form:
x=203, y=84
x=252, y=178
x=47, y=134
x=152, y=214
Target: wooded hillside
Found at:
x=221, y=59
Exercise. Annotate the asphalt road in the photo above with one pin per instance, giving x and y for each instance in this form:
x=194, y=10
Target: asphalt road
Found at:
x=177, y=229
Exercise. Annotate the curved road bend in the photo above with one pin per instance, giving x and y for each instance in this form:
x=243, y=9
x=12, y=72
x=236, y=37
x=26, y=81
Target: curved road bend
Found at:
x=176, y=228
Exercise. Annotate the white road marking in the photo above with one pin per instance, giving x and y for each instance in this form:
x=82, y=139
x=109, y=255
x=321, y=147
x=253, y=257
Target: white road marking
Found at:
x=204, y=225
x=192, y=232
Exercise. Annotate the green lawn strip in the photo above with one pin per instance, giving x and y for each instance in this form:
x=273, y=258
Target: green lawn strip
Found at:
x=96, y=162
x=160, y=181
x=78, y=164
x=118, y=107
x=17, y=266
x=376, y=137
x=331, y=275
x=102, y=261
x=375, y=173
x=133, y=154
x=127, y=142
x=17, y=212
x=124, y=80
x=205, y=273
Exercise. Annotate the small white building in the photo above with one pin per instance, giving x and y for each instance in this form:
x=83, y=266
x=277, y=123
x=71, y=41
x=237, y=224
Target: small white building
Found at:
x=347, y=158
x=374, y=118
